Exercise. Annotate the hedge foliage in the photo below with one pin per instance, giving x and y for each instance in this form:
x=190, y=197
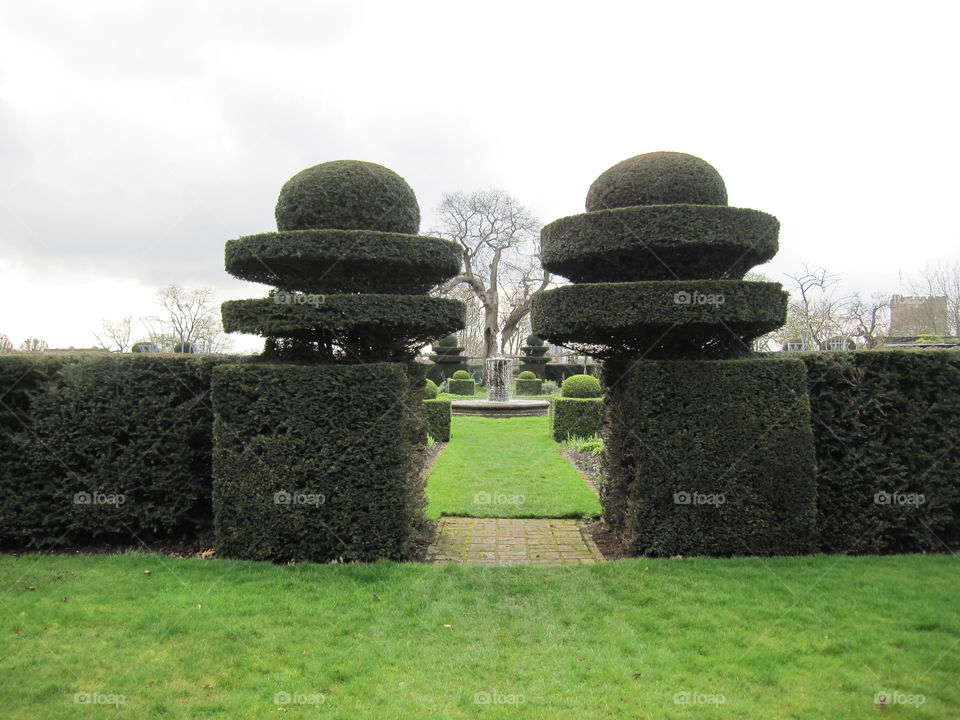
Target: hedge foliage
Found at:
x=581, y=386
x=343, y=261
x=461, y=375
x=95, y=427
x=526, y=386
x=659, y=319
x=348, y=195
x=461, y=387
x=659, y=242
x=710, y=457
x=526, y=375
x=886, y=427
x=437, y=415
x=430, y=390
x=575, y=417
x=558, y=372
x=341, y=438
x=657, y=178
x=347, y=328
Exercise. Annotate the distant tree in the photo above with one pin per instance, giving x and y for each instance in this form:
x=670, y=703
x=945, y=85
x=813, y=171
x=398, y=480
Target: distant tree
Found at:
x=187, y=317
x=33, y=345
x=868, y=319
x=499, y=239
x=115, y=336
x=6, y=346
x=815, y=314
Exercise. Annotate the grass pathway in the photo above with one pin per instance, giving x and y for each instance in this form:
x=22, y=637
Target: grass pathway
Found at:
x=507, y=468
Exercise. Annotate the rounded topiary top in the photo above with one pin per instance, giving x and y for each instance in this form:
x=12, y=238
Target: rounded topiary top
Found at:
x=348, y=195
x=527, y=375
x=581, y=386
x=534, y=341
x=430, y=390
x=657, y=178
x=461, y=375
x=448, y=341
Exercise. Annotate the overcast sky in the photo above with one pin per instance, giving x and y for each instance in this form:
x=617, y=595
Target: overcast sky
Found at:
x=137, y=137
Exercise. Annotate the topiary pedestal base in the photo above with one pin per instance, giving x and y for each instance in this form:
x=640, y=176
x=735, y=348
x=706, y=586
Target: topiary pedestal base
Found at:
x=711, y=457
x=316, y=462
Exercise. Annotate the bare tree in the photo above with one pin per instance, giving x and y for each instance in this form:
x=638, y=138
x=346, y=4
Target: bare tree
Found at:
x=188, y=317
x=815, y=314
x=6, y=346
x=868, y=318
x=941, y=279
x=115, y=336
x=33, y=345
x=501, y=267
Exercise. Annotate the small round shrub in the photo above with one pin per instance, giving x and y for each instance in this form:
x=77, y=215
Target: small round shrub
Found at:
x=348, y=195
x=534, y=341
x=581, y=386
x=527, y=375
x=657, y=178
x=430, y=390
x=448, y=341
x=184, y=347
x=461, y=375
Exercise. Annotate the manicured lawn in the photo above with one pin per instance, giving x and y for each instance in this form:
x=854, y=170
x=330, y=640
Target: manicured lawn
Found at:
x=812, y=637
x=506, y=467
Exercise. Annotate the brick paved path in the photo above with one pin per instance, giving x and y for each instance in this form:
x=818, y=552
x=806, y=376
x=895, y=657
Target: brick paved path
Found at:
x=503, y=541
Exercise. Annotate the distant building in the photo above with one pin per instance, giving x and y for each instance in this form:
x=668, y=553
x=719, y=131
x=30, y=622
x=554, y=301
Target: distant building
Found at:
x=913, y=316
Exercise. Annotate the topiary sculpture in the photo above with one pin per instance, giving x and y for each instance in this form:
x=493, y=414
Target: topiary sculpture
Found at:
x=581, y=386
x=534, y=356
x=430, y=390
x=527, y=375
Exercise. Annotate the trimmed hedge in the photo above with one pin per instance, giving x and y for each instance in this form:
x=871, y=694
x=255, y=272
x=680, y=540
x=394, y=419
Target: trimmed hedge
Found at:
x=526, y=386
x=659, y=319
x=430, y=390
x=461, y=375
x=657, y=178
x=575, y=417
x=334, y=436
x=558, y=372
x=710, y=458
x=581, y=386
x=461, y=387
x=886, y=427
x=437, y=414
x=343, y=261
x=94, y=427
x=348, y=195
x=348, y=328
x=659, y=242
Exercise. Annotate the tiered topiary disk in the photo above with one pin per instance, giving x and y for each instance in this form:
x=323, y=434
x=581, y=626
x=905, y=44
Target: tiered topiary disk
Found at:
x=350, y=270
x=535, y=356
x=657, y=264
x=447, y=358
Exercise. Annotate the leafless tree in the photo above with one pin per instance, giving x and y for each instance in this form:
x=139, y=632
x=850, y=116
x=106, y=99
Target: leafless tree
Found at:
x=187, y=317
x=815, y=313
x=941, y=278
x=115, y=336
x=501, y=267
x=33, y=345
x=6, y=346
x=868, y=318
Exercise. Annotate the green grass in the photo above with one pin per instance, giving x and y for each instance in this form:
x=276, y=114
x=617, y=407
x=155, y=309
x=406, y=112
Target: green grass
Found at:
x=506, y=467
x=800, y=638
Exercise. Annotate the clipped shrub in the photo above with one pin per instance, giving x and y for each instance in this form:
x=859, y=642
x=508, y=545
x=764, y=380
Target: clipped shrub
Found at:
x=348, y=195
x=575, y=417
x=144, y=347
x=535, y=356
x=447, y=359
x=581, y=386
x=461, y=375
x=527, y=375
x=437, y=414
x=184, y=347
x=431, y=390
x=526, y=386
x=710, y=457
x=458, y=386
x=885, y=423
x=558, y=372
x=292, y=484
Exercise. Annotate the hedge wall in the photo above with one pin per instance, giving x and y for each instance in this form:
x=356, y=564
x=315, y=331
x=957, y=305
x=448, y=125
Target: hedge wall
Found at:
x=529, y=387
x=710, y=458
x=461, y=387
x=575, y=417
x=341, y=438
x=80, y=431
x=558, y=372
x=437, y=415
x=886, y=424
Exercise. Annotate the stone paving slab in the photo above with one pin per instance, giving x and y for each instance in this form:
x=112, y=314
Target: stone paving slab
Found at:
x=511, y=541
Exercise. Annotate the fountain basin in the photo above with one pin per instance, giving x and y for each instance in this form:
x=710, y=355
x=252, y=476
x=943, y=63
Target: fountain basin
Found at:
x=510, y=408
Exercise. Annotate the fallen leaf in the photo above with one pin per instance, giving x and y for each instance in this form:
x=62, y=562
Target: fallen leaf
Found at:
x=635, y=676
x=448, y=626
x=30, y=587
x=146, y=572
x=17, y=630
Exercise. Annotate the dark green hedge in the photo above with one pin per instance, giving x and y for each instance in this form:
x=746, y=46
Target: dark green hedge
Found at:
x=348, y=195
x=558, y=372
x=705, y=430
x=657, y=178
x=437, y=414
x=461, y=387
x=581, y=386
x=660, y=242
x=651, y=319
x=343, y=436
x=135, y=425
x=343, y=261
x=575, y=417
x=529, y=387
x=886, y=423
x=346, y=328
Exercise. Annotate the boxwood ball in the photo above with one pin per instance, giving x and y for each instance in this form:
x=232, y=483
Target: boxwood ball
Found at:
x=348, y=195
x=657, y=178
